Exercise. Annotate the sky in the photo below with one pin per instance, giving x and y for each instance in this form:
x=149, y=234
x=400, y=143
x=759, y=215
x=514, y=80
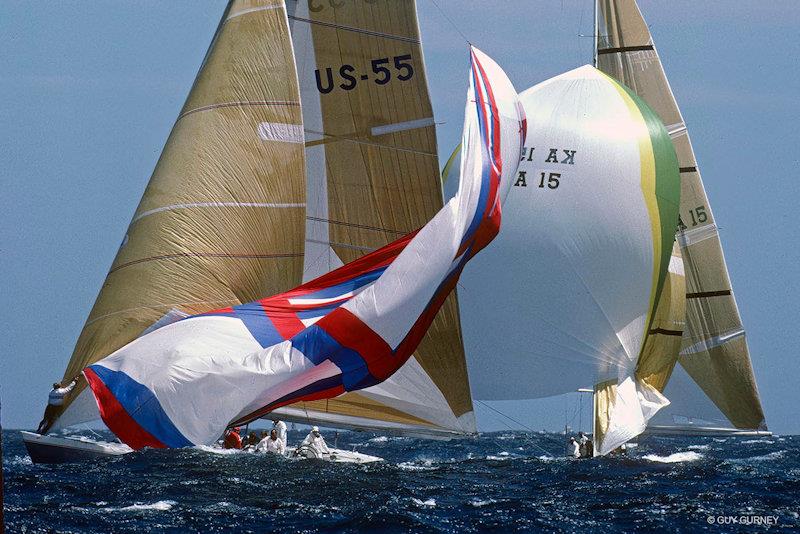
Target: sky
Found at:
x=90, y=90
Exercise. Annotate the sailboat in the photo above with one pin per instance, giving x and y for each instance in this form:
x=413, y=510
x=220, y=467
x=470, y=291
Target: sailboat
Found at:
x=706, y=370
x=584, y=255
x=694, y=352
x=307, y=141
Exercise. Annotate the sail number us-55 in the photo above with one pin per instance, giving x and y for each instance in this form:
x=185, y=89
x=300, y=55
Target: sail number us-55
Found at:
x=383, y=71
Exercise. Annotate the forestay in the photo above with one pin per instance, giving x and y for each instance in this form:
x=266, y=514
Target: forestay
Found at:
x=222, y=219
x=347, y=330
x=714, y=349
x=583, y=256
x=372, y=176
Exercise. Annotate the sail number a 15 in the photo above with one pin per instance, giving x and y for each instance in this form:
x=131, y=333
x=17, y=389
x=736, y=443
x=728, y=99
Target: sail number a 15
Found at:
x=543, y=179
x=697, y=216
x=382, y=71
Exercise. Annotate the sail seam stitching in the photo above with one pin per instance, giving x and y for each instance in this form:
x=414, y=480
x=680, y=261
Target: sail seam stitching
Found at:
x=205, y=255
x=357, y=30
x=218, y=205
x=353, y=225
x=154, y=306
x=242, y=103
x=253, y=10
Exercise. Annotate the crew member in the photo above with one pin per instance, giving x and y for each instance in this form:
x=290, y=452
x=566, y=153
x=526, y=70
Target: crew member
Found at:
x=583, y=443
x=316, y=443
x=271, y=443
x=232, y=439
x=575, y=448
x=251, y=441
x=280, y=427
x=55, y=400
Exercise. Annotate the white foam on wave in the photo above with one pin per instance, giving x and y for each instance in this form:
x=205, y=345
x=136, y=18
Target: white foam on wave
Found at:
x=774, y=455
x=217, y=450
x=421, y=465
x=379, y=439
x=160, y=506
x=503, y=455
x=550, y=458
x=677, y=457
x=478, y=503
x=699, y=447
x=18, y=460
x=428, y=503
x=751, y=441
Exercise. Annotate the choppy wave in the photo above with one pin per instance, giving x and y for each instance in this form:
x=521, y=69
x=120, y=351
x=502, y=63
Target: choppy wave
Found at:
x=522, y=482
x=17, y=461
x=774, y=455
x=160, y=506
x=676, y=457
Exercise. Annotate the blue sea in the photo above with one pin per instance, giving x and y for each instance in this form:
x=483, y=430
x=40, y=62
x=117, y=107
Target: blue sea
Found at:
x=502, y=482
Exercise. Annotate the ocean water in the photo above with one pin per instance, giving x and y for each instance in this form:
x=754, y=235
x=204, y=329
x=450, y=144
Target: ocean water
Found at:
x=503, y=482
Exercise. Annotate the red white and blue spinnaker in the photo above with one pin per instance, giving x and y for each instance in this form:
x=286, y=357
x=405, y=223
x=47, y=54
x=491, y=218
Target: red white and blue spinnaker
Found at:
x=183, y=384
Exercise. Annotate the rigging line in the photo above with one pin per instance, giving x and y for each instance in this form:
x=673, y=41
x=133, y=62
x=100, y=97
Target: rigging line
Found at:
x=530, y=440
x=453, y=24
x=517, y=422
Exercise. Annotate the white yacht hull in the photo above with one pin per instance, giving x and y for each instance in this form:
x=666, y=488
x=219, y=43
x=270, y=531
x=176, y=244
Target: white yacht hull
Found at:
x=336, y=455
x=696, y=430
x=59, y=450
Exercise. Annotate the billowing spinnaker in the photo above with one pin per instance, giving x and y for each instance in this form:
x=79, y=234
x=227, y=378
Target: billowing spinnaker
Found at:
x=714, y=350
x=222, y=219
x=585, y=248
x=372, y=174
x=347, y=330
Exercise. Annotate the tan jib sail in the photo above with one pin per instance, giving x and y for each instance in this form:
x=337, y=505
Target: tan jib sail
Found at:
x=373, y=176
x=713, y=350
x=222, y=219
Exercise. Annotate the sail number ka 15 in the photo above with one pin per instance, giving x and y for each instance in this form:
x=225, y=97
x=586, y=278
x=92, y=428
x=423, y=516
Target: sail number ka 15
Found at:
x=544, y=179
x=382, y=73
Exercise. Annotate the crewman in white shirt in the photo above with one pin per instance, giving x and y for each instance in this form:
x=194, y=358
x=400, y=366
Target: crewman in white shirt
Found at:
x=271, y=444
x=315, y=443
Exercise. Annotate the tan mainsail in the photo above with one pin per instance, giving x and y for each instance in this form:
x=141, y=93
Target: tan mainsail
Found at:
x=713, y=349
x=373, y=176
x=222, y=219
